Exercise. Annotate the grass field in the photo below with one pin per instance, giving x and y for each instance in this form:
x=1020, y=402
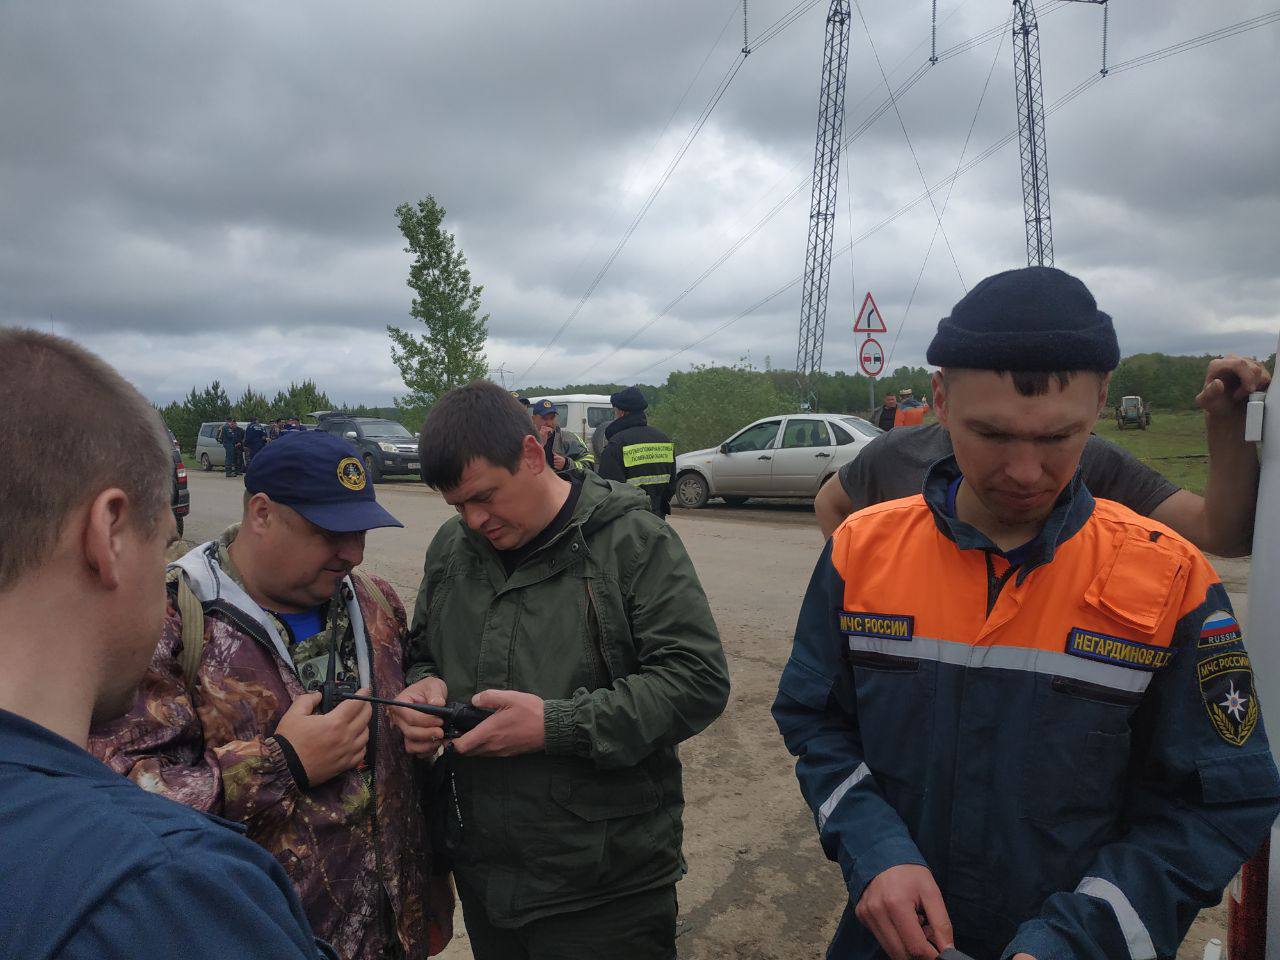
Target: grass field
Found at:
x=1174, y=444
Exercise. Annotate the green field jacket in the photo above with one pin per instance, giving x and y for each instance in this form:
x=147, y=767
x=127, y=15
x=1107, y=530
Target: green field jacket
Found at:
x=610, y=626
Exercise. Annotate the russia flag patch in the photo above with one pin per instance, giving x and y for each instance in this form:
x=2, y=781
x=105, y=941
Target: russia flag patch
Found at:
x=1219, y=629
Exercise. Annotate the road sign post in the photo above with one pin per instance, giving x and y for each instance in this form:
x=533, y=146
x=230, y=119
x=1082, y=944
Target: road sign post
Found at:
x=870, y=355
x=869, y=318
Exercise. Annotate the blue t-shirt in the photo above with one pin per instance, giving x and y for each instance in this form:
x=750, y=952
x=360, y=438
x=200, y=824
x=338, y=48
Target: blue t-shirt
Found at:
x=304, y=625
x=94, y=868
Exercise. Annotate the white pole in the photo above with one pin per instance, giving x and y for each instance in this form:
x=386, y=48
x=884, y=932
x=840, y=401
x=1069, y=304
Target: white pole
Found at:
x=1262, y=617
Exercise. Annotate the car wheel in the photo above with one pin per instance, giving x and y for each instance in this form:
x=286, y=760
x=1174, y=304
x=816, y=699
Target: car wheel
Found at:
x=205, y=465
x=734, y=501
x=372, y=469
x=692, y=491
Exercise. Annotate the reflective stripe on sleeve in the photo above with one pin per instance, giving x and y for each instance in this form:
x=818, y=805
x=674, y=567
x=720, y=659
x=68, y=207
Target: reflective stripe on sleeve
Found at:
x=662, y=478
x=1027, y=659
x=643, y=454
x=1135, y=933
x=838, y=793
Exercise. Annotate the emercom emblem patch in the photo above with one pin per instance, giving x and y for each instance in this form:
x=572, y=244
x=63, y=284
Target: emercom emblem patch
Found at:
x=1220, y=628
x=885, y=626
x=1226, y=684
x=1117, y=650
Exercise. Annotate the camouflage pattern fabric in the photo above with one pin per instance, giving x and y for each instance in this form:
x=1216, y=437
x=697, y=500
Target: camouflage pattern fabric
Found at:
x=209, y=747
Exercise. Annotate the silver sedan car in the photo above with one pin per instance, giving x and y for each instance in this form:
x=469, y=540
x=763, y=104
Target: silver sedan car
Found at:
x=783, y=456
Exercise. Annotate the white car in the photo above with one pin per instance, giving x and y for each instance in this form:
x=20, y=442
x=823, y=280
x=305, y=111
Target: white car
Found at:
x=784, y=456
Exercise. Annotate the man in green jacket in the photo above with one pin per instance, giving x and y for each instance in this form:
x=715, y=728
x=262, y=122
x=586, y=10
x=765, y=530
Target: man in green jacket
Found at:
x=575, y=614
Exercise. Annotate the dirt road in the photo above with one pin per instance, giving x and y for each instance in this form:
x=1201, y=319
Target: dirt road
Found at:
x=758, y=886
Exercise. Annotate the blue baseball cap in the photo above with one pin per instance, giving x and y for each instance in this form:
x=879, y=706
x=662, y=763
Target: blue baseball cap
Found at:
x=543, y=407
x=320, y=476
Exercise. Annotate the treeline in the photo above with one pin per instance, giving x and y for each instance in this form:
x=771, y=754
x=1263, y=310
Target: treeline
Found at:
x=1166, y=382
x=212, y=403
x=702, y=406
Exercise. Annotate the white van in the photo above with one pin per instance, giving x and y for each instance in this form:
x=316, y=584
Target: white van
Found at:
x=583, y=413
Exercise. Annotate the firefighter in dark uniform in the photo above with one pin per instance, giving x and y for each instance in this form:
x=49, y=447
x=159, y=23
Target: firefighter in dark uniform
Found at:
x=637, y=453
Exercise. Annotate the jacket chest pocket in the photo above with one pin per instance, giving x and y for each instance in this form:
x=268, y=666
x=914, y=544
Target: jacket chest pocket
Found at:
x=1076, y=761
x=895, y=697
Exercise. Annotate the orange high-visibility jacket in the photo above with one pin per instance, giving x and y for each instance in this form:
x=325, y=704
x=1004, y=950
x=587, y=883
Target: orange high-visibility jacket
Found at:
x=911, y=415
x=1071, y=743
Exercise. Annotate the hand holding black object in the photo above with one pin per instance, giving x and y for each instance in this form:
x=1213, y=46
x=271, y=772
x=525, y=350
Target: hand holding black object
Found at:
x=458, y=717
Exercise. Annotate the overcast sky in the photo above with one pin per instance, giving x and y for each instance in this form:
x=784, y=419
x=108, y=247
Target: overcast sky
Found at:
x=201, y=191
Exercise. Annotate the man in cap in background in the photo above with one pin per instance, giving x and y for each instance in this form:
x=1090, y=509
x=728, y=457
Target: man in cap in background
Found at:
x=1046, y=743
x=91, y=867
x=229, y=718
x=231, y=436
x=255, y=438
x=910, y=410
x=566, y=453
x=637, y=453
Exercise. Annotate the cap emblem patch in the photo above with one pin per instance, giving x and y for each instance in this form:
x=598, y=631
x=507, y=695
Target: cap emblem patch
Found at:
x=351, y=473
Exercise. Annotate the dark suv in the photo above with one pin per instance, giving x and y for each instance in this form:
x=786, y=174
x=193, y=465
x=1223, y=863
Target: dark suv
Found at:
x=386, y=447
x=181, y=499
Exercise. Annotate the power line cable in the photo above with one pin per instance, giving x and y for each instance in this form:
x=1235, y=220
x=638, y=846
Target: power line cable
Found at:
x=644, y=165
x=717, y=95
x=631, y=228
x=906, y=136
x=946, y=200
x=1235, y=29
x=1080, y=88
x=862, y=128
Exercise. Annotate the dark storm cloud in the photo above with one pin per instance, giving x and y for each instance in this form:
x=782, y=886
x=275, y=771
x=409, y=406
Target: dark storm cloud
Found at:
x=175, y=178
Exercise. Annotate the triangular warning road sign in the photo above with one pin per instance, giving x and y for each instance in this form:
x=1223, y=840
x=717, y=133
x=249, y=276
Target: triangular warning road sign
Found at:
x=869, y=319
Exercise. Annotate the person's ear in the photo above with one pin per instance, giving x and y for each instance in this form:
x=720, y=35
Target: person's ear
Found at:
x=532, y=456
x=1103, y=387
x=106, y=524
x=257, y=513
x=939, y=384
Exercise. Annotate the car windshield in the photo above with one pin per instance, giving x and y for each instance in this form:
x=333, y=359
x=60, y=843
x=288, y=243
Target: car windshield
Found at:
x=863, y=427
x=385, y=428
x=1129, y=403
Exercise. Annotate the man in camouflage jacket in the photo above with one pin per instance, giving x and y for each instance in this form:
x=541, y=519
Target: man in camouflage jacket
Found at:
x=334, y=800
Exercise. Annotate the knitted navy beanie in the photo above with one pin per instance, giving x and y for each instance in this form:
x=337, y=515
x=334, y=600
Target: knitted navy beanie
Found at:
x=1035, y=318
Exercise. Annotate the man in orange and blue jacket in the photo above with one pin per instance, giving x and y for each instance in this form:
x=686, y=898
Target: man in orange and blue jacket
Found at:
x=1055, y=750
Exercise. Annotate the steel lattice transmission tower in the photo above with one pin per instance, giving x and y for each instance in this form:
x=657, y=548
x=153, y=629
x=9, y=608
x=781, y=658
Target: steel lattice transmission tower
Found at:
x=1031, y=138
x=1031, y=141
x=822, y=208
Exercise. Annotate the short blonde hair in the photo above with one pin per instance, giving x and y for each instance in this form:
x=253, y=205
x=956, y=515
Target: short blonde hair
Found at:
x=73, y=428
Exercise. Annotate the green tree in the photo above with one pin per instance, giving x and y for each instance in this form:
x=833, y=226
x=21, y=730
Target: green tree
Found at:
x=251, y=404
x=1166, y=382
x=178, y=419
x=703, y=406
x=451, y=351
x=299, y=400
x=199, y=406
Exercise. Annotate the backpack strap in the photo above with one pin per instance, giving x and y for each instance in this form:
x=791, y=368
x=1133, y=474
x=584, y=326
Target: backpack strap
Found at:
x=191, y=612
x=374, y=591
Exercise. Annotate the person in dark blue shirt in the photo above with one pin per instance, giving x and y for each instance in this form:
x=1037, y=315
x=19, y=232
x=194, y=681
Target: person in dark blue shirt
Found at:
x=92, y=867
x=255, y=438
